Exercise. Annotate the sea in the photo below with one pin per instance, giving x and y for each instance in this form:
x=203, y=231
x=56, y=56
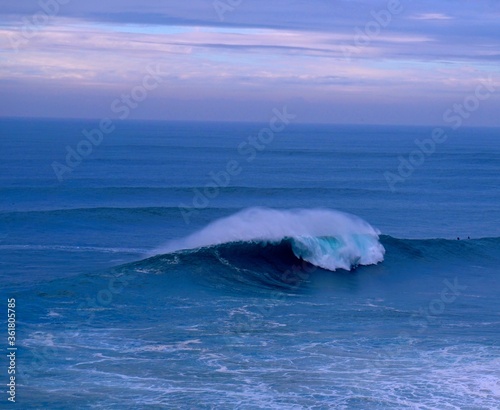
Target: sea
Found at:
x=273, y=265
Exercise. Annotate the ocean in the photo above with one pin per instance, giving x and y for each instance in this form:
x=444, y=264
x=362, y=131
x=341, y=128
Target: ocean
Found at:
x=175, y=265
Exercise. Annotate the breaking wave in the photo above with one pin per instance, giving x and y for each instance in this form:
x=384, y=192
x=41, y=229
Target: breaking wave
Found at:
x=325, y=238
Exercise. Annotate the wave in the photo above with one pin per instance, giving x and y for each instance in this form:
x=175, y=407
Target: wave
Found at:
x=68, y=248
x=325, y=238
x=258, y=267
x=294, y=264
x=442, y=249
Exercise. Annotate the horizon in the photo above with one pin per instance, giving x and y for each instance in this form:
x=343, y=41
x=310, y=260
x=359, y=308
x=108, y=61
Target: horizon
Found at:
x=250, y=122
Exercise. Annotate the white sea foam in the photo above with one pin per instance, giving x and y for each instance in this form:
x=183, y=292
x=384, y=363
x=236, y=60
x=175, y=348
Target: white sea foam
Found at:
x=326, y=238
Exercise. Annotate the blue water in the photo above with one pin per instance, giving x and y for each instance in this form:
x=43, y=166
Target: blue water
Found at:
x=301, y=281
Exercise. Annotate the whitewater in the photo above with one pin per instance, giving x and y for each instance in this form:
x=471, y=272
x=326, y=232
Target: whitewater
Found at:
x=325, y=238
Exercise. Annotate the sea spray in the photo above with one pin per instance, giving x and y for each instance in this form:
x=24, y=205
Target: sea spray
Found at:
x=326, y=238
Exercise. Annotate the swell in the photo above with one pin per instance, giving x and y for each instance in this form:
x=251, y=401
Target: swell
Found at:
x=261, y=254
x=114, y=189
x=248, y=266
x=258, y=267
x=167, y=199
x=68, y=248
x=442, y=249
x=255, y=265
x=104, y=210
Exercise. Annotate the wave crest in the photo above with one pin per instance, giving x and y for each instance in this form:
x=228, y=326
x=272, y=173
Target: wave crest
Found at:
x=342, y=252
x=325, y=238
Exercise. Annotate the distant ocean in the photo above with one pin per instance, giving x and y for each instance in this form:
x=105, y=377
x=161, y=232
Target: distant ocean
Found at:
x=234, y=266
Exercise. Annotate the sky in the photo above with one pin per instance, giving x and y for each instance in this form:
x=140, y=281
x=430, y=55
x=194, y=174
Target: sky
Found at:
x=335, y=61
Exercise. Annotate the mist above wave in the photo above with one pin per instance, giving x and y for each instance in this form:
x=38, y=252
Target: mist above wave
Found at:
x=326, y=238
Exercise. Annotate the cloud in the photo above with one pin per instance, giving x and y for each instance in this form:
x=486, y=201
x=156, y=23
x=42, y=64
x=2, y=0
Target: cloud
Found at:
x=317, y=51
x=431, y=16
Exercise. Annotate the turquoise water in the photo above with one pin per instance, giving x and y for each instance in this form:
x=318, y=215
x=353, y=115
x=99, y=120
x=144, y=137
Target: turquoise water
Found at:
x=126, y=299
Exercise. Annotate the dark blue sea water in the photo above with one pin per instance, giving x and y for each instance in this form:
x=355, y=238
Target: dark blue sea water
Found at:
x=194, y=266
